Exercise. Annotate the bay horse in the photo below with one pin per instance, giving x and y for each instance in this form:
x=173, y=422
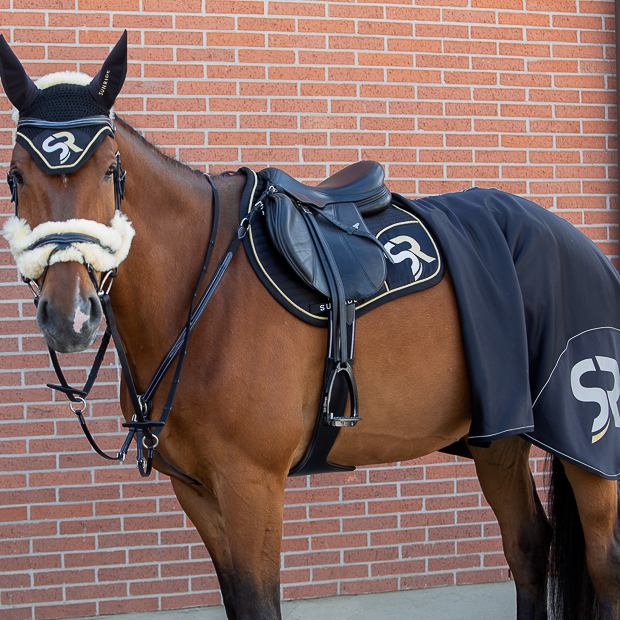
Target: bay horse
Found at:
x=246, y=405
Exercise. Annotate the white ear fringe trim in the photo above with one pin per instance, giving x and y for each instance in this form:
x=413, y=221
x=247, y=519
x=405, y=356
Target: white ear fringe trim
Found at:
x=63, y=77
x=32, y=263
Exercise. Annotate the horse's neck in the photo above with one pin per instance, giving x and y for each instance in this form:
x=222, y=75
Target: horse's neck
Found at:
x=170, y=207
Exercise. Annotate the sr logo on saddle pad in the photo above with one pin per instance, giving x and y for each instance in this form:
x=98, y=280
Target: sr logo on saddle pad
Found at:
x=413, y=250
x=410, y=252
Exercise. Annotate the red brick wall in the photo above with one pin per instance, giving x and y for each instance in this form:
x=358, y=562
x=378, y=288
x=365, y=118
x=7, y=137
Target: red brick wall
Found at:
x=516, y=94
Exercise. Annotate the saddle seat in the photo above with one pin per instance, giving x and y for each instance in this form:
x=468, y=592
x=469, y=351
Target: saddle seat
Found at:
x=361, y=183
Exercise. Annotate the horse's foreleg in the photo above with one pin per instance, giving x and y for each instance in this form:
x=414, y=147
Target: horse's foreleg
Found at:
x=203, y=510
x=251, y=500
x=507, y=483
x=597, y=503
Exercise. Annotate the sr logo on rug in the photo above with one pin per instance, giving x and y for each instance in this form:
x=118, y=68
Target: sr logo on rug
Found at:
x=583, y=392
x=606, y=399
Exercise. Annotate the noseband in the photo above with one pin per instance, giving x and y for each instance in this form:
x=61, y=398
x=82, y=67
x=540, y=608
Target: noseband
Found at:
x=101, y=248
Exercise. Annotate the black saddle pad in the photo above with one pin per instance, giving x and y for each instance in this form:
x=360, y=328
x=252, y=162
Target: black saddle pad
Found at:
x=418, y=263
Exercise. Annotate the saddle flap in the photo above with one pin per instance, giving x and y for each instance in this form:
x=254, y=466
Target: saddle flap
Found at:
x=290, y=235
x=360, y=262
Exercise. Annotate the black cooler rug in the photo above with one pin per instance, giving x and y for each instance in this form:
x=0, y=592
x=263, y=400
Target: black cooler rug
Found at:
x=539, y=308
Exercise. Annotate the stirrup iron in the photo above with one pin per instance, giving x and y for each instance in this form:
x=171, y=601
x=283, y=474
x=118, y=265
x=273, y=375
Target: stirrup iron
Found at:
x=343, y=372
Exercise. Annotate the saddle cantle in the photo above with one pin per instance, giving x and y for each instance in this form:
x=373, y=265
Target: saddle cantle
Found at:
x=361, y=183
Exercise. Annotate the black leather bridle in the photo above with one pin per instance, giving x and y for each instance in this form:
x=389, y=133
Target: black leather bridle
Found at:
x=145, y=430
x=64, y=240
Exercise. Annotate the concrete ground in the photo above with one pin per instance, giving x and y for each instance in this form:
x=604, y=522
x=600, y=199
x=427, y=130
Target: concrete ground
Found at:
x=489, y=601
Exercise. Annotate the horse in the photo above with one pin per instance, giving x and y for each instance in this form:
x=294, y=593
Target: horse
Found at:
x=246, y=406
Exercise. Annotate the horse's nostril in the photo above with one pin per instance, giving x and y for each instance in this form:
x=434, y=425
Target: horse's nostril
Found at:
x=70, y=328
x=87, y=314
x=96, y=313
x=43, y=313
x=42, y=310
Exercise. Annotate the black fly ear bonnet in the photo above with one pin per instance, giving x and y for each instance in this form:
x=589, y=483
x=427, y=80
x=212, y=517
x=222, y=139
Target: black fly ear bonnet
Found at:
x=61, y=124
x=62, y=120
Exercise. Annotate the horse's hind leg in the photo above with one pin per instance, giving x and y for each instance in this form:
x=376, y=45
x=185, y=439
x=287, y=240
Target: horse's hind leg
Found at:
x=203, y=510
x=507, y=483
x=597, y=502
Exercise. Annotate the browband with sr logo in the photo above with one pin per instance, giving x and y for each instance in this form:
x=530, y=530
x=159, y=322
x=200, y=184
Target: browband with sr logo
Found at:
x=62, y=147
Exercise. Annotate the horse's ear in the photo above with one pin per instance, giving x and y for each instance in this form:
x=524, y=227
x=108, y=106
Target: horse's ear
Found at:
x=106, y=85
x=19, y=88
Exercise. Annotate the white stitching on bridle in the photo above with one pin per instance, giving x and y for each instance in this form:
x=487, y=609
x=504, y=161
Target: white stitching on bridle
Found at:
x=112, y=248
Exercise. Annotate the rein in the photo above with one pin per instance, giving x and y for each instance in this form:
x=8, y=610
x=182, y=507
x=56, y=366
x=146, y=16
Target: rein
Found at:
x=145, y=431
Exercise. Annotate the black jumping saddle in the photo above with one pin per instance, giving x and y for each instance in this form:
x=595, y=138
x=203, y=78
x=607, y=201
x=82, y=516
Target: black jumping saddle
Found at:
x=321, y=233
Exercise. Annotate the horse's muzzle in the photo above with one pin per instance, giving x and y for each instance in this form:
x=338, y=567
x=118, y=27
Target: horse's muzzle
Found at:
x=69, y=322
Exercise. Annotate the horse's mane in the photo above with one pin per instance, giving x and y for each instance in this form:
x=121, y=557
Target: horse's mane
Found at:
x=162, y=155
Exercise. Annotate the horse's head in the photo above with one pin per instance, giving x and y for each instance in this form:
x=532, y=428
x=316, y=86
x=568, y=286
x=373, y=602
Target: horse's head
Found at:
x=65, y=178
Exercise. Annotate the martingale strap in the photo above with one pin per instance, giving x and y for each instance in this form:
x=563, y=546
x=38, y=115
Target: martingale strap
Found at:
x=147, y=431
x=206, y=296
x=195, y=312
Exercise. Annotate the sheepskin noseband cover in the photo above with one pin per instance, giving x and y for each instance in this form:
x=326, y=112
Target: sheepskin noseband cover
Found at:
x=112, y=249
x=63, y=127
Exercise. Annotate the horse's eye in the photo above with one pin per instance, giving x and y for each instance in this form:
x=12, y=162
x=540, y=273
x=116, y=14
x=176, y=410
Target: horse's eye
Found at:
x=110, y=171
x=17, y=175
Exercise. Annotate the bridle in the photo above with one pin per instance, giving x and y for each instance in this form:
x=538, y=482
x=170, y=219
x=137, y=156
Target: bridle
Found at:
x=145, y=430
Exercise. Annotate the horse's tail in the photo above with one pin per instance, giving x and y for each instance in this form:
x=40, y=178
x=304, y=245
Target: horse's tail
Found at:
x=571, y=593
